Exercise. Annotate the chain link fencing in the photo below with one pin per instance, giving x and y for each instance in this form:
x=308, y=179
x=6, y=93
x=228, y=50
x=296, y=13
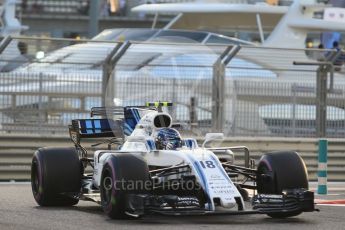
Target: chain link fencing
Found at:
x=248, y=91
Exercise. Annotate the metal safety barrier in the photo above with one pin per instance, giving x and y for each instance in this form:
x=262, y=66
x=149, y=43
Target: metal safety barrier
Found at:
x=16, y=153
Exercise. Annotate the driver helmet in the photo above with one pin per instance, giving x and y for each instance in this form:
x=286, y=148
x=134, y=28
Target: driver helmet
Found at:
x=168, y=138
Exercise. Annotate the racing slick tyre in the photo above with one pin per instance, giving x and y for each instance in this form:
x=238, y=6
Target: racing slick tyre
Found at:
x=278, y=171
x=56, y=176
x=122, y=174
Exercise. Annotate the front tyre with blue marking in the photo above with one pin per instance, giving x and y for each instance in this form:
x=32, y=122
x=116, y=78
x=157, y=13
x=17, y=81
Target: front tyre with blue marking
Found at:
x=281, y=171
x=123, y=174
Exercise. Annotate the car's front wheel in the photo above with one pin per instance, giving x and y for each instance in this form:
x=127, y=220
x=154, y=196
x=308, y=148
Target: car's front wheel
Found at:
x=122, y=174
x=279, y=171
x=56, y=176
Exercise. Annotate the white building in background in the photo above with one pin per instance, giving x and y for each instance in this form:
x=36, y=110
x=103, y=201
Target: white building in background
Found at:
x=337, y=3
x=9, y=23
x=290, y=26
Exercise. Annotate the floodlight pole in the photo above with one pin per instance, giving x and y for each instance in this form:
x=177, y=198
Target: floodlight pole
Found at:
x=321, y=93
x=94, y=8
x=108, y=79
x=4, y=43
x=218, y=86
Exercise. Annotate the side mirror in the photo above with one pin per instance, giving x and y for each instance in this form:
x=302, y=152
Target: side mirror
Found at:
x=212, y=137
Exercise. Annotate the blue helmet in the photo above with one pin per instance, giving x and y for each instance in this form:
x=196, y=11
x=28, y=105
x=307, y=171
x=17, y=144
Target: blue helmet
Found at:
x=168, y=138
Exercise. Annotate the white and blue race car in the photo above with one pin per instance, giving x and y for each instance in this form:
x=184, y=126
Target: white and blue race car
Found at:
x=153, y=170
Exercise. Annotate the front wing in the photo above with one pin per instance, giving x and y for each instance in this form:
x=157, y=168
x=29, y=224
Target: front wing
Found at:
x=291, y=201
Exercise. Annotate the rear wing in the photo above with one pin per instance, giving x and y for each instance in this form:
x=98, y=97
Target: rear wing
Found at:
x=126, y=120
x=95, y=128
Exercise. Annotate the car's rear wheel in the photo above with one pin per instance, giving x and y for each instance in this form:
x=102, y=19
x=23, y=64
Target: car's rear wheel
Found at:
x=279, y=171
x=122, y=174
x=56, y=176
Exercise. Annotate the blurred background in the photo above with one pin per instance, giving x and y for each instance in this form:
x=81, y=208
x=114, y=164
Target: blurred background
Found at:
x=71, y=18
x=250, y=69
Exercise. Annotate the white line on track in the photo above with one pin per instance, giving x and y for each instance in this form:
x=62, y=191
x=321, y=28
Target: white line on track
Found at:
x=333, y=205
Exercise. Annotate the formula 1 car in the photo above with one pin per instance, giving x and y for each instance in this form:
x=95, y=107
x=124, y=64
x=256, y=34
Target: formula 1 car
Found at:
x=155, y=171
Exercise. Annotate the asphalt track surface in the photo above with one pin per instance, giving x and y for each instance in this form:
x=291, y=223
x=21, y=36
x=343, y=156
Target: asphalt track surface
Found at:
x=18, y=210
